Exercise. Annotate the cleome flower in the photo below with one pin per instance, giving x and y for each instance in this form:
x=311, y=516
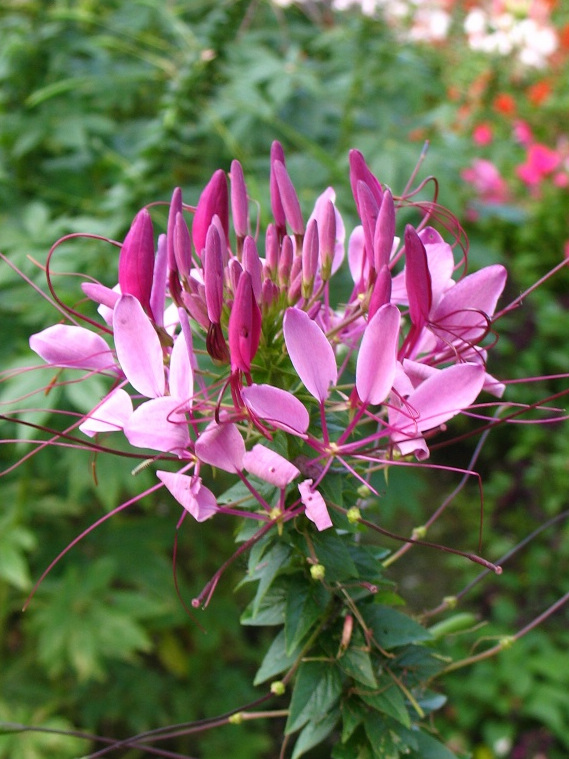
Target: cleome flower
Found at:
x=223, y=349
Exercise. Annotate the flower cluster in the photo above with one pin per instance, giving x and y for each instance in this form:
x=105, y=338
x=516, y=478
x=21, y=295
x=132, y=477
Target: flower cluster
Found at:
x=225, y=349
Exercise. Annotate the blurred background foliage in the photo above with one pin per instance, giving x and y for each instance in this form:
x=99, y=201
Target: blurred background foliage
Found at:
x=108, y=105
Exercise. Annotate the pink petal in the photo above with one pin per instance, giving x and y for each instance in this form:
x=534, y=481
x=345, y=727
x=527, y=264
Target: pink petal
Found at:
x=138, y=347
x=74, y=347
x=436, y=400
x=110, y=415
x=270, y=466
x=377, y=357
x=221, y=446
x=310, y=352
x=276, y=406
x=181, y=377
x=190, y=493
x=465, y=309
x=315, y=505
x=159, y=424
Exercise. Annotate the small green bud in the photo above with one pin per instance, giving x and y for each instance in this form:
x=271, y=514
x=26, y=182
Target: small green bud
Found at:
x=236, y=719
x=507, y=642
x=363, y=491
x=354, y=515
x=317, y=571
x=450, y=601
x=419, y=533
x=278, y=688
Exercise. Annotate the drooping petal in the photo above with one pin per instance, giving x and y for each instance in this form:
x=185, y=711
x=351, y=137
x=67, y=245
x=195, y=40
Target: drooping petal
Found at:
x=159, y=424
x=377, y=357
x=315, y=505
x=72, y=347
x=270, y=466
x=277, y=407
x=198, y=500
x=310, y=352
x=109, y=416
x=221, y=446
x=138, y=347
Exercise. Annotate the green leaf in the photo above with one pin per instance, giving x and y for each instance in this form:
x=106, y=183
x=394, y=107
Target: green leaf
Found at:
x=356, y=662
x=317, y=688
x=315, y=732
x=429, y=748
x=391, y=628
x=267, y=570
x=304, y=605
x=353, y=714
x=332, y=551
x=271, y=610
x=389, y=701
x=276, y=660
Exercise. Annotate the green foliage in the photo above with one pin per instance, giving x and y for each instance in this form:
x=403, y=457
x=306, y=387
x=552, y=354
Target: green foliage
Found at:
x=105, y=105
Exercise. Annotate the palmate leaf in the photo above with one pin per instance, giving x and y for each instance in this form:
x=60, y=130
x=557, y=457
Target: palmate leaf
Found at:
x=277, y=659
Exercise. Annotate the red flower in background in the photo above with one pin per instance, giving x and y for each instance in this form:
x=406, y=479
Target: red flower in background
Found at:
x=505, y=103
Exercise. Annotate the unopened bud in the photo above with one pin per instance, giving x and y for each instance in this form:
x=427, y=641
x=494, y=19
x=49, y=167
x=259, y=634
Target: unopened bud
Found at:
x=278, y=688
x=236, y=719
x=354, y=515
x=317, y=571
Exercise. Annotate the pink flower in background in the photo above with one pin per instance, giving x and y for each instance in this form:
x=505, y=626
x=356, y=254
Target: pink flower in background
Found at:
x=482, y=134
x=486, y=180
x=540, y=161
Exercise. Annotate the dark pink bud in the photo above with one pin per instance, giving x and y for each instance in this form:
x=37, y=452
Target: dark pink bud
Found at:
x=175, y=209
x=289, y=198
x=384, y=232
x=235, y=270
x=213, y=200
x=239, y=201
x=158, y=294
x=359, y=172
x=369, y=211
x=327, y=234
x=244, y=326
x=381, y=293
x=271, y=250
x=182, y=246
x=309, y=258
x=285, y=261
x=252, y=264
x=277, y=154
x=213, y=275
x=417, y=278
x=136, y=260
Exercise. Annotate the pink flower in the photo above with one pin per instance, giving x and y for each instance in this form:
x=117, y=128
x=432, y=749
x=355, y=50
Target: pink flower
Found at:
x=486, y=181
x=482, y=134
x=540, y=161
